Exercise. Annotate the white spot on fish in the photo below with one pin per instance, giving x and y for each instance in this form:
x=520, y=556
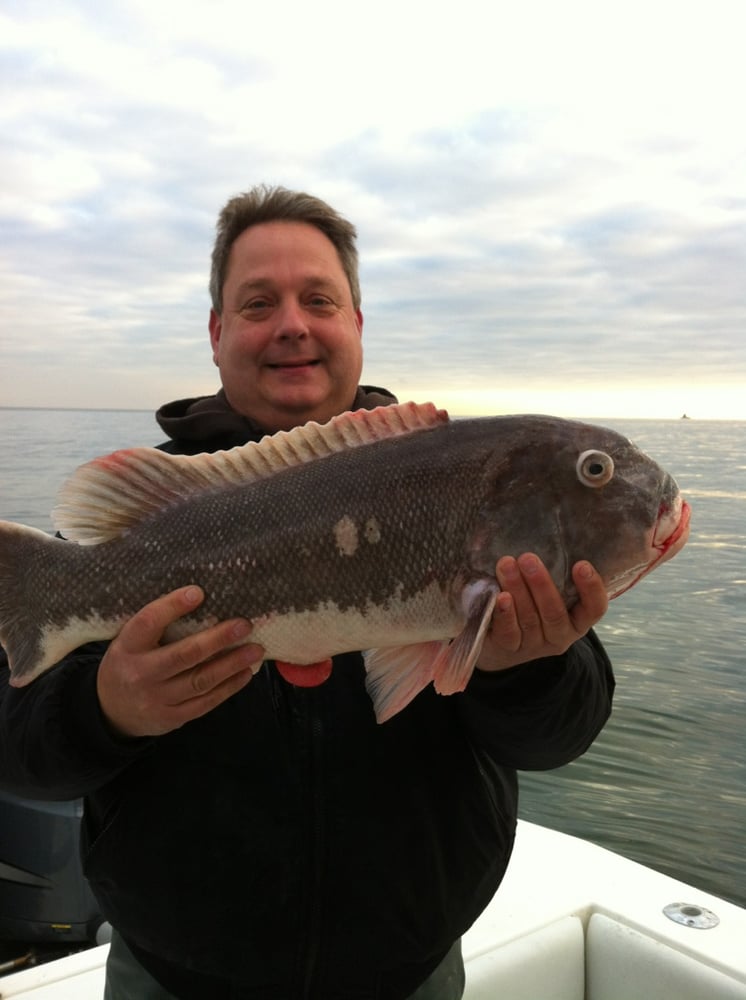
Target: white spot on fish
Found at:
x=346, y=536
x=372, y=531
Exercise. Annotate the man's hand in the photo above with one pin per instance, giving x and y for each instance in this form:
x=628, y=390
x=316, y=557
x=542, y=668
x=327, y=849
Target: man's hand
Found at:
x=147, y=689
x=530, y=618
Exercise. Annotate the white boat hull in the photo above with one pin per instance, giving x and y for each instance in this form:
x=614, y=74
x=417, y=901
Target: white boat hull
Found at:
x=573, y=921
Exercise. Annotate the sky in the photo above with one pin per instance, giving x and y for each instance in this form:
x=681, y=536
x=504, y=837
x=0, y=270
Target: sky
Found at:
x=550, y=197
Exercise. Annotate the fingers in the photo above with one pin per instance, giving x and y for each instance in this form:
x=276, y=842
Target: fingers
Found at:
x=505, y=631
x=189, y=662
x=537, y=600
x=199, y=664
x=147, y=689
x=145, y=629
x=196, y=691
x=530, y=619
x=593, y=600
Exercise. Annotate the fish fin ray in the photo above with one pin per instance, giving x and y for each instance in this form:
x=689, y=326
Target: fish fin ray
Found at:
x=455, y=665
x=396, y=674
x=105, y=497
x=351, y=429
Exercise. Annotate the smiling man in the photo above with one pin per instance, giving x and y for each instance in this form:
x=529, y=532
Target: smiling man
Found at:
x=250, y=838
x=285, y=333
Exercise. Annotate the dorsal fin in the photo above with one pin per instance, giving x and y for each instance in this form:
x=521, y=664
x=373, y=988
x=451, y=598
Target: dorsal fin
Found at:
x=106, y=497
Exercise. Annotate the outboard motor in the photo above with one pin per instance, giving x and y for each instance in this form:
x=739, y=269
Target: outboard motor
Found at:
x=44, y=896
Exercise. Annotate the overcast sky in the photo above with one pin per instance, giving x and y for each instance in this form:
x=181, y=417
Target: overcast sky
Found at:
x=550, y=196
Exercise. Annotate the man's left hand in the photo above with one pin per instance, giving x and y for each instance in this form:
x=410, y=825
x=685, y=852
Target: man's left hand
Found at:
x=530, y=620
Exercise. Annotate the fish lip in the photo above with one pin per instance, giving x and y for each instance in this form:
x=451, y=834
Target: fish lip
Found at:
x=665, y=548
x=680, y=533
x=667, y=543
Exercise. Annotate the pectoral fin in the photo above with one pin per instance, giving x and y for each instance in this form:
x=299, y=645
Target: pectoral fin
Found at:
x=397, y=674
x=455, y=665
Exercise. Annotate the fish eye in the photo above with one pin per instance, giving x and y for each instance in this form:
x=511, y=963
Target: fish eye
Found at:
x=595, y=468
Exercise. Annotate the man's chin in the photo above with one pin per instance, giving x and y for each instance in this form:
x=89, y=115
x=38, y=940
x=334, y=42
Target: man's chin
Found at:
x=287, y=410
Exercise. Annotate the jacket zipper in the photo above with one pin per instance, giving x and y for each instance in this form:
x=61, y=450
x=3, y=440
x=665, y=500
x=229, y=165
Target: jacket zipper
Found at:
x=316, y=853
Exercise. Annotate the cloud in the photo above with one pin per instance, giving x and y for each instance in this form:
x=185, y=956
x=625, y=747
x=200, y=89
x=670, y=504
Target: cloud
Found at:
x=558, y=204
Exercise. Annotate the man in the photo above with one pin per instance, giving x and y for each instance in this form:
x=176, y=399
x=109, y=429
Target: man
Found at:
x=256, y=834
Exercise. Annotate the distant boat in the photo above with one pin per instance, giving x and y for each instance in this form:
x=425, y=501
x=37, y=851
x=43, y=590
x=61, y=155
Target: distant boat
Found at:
x=685, y=416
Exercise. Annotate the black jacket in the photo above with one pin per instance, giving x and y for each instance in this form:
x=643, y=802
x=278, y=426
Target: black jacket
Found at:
x=285, y=845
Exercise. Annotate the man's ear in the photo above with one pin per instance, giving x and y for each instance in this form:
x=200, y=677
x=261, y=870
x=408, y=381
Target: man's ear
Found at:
x=215, y=327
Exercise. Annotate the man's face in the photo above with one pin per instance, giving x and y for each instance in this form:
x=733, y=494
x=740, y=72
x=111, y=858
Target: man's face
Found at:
x=288, y=341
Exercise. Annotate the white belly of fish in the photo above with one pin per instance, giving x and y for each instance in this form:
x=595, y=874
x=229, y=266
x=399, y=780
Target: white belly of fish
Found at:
x=310, y=636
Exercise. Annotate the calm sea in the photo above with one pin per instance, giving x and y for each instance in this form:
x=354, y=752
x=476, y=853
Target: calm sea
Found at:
x=665, y=783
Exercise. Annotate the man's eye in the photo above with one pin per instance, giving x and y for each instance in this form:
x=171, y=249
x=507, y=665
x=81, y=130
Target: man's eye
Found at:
x=320, y=302
x=256, y=305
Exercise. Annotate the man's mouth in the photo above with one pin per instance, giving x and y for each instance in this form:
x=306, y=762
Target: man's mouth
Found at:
x=310, y=362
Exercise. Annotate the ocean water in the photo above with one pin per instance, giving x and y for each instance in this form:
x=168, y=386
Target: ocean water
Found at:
x=665, y=783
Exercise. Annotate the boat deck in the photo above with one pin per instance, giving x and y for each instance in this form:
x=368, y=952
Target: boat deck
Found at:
x=571, y=921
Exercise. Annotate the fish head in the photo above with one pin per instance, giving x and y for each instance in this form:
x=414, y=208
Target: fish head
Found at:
x=569, y=491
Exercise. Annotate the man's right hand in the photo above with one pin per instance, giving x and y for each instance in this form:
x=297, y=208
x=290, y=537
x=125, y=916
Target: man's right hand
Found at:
x=148, y=689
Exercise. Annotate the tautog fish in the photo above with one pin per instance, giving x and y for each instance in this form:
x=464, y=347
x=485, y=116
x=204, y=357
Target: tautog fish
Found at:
x=378, y=531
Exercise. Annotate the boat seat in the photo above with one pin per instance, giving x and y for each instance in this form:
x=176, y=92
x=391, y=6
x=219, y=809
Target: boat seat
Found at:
x=547, y=964
x=622, y=963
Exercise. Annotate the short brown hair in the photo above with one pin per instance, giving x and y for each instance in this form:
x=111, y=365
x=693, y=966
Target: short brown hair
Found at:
x=275, y=204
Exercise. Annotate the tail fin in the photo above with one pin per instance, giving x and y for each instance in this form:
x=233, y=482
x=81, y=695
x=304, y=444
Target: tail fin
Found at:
x=22, y=632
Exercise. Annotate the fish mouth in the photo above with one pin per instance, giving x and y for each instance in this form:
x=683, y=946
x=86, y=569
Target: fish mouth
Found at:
x=669, y=536
x=669, y=542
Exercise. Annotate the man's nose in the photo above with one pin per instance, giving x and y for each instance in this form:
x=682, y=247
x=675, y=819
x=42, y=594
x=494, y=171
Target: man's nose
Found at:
x=292, y=319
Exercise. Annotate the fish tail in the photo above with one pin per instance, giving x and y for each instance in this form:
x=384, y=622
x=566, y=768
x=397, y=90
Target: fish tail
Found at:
x=22, y=632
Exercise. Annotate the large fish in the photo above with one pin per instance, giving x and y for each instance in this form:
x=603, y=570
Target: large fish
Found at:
x=378, y=531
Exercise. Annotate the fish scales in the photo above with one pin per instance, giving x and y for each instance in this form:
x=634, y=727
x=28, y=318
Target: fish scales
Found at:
x=390, y=540
x=273, y=546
